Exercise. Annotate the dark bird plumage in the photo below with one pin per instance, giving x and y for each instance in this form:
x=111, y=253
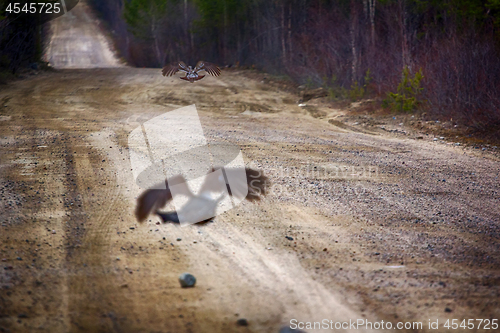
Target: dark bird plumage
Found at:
x=150, y=201
x=191, y=74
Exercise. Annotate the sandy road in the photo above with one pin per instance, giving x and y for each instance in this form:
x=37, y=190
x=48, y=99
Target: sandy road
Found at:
x=77, y=42
x=410, y=227
x=384, y=227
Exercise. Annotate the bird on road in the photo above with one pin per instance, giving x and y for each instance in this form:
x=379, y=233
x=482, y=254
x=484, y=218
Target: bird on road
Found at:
x=152, y=200
x=191, y=74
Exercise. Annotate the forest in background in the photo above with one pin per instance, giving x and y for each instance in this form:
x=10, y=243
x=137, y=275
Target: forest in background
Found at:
x=437, y=56
x=21, y=41
x=441, y=56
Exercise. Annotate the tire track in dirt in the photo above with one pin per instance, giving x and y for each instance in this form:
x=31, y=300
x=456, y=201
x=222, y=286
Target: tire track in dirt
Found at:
x=290, y=292
x=94, y=186
x=41, y=223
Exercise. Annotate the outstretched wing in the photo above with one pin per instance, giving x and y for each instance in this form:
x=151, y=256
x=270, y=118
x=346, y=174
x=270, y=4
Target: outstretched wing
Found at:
x=207, y=67
x=171, y=69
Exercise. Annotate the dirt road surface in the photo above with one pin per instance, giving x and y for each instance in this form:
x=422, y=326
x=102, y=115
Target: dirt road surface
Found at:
x=384, y=226
x=78, y=42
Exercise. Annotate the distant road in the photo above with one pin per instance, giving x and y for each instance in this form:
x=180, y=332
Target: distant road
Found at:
x=77, y=42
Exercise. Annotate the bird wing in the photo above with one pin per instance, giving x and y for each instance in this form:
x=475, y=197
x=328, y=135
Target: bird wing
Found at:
x=207, y=67
x=171, y=69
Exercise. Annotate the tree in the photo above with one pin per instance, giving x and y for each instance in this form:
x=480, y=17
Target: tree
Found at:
x=145, y=19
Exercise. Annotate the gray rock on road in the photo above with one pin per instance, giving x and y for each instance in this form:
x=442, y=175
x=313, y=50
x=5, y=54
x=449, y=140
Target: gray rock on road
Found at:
x=187, y=280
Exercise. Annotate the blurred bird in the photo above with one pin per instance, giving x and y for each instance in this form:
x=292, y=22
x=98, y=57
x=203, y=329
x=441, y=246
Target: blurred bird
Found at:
x=191, y=74
x=150, y=201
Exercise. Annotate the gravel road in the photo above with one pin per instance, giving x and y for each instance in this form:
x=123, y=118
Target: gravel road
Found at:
x=360, y=223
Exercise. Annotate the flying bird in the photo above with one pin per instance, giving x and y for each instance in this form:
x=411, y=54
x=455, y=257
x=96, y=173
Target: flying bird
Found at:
x=191, y=74
x=152, y=200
